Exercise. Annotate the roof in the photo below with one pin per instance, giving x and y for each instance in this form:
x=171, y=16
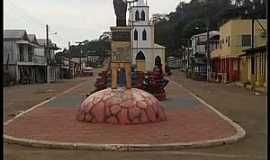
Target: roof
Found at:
x=201, y=39
x=254, y=50
x=158, y=46
x=43, y=42
x=32, y=37
x=24, y=42
x=203, y=36
x=15, y=34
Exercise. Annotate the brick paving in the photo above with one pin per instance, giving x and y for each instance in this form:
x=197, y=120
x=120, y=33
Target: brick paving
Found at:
x=239, y=104
x=187, y=121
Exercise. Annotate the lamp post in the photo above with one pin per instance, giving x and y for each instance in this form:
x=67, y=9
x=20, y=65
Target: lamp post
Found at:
x=205, y=2
x=47, y=52
x=81, y=53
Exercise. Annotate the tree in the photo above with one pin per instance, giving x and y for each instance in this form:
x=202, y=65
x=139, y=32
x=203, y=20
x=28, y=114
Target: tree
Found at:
x=181, y=23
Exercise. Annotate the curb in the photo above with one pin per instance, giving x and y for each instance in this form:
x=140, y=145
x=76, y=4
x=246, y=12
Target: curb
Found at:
x=119, y=147
x=240, y=133
x=43, y=103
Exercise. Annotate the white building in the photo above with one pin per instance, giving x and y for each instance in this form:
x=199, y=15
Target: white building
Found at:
x=199, y=42
x=145, y=52
x=21, y=62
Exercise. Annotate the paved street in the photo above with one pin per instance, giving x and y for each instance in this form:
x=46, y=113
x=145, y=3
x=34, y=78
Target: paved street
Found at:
x=239, y=104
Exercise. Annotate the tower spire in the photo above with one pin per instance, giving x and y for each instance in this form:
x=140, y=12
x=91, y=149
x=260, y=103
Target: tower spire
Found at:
x=141, y=3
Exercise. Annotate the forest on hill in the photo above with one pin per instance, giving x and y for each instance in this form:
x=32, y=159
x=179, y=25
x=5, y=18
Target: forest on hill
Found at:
x=175, y=29
x=191, y=18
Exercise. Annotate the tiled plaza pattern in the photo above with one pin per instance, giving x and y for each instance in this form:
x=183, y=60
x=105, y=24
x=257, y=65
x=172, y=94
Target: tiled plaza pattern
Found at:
x=186, y=122
x=121, y=106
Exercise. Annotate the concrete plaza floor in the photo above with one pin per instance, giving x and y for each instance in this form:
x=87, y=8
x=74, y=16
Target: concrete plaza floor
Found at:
x=239, y=104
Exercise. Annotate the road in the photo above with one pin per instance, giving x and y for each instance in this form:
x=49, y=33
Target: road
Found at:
x=239, y=104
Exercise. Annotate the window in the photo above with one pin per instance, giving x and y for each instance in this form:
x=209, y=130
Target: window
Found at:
x=143, y=16
x=21, y=53
x=246, y=40
x=30, y=54
x=135, y=35
x=137, y=16
x=144, y=35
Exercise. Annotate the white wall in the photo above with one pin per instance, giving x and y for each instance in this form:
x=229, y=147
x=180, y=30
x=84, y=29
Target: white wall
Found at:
x=11, y=49
x=148, y=43
x=150, y=55
x=140, y=9
x=39, y=52
x=25, y=53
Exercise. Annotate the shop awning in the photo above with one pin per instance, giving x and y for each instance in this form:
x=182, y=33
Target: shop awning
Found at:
x=26, y=42
x=254, y=50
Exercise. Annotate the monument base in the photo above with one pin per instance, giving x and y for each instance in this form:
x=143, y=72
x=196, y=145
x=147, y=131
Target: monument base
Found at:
x=121, y=106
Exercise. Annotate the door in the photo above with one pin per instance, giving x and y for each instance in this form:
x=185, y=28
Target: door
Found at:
x=140, y=62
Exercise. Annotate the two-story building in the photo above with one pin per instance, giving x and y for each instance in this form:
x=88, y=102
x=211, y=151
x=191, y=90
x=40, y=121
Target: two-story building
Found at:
x=198, y=57
x=19, y=56
x=38, y=59
x=253, y=67
x=53, y=70
x=235, y=37
x=24, y=57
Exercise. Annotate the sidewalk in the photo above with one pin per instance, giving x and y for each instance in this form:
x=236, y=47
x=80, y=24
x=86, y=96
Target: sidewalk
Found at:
x=248, y=86
x=242, y=106
x=21, y=97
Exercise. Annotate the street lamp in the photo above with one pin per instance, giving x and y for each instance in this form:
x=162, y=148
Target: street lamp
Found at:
x=81, y=53
x=205, y=2
x=252, y=39
x=47, y=52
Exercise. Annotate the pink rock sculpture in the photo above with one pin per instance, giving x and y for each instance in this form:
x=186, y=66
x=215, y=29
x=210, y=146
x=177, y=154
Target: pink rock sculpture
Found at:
x=120, y=106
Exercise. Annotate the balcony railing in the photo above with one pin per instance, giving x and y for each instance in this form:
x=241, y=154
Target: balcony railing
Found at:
x=39, y=59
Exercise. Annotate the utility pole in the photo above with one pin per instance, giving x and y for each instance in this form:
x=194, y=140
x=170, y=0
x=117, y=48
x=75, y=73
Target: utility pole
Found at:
x=47, y=53
x=188, y=55
x=252, y=42
x=81, y=53
x=208, y=42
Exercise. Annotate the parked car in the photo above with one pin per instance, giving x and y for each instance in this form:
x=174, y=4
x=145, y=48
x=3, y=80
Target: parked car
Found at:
x=88, y=71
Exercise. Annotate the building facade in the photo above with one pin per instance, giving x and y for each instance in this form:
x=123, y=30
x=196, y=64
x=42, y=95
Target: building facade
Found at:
x=235, y=36
x=53, y=69
x=21, y=62
x=146, y=54
x=198, y=57
x=253, y=67
x=24, y=58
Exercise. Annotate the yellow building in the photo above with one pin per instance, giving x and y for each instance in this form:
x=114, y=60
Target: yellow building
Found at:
x=235, y=37
x=255, y=66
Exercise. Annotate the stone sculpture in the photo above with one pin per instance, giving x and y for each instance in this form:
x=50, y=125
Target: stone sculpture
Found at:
x=120, y=9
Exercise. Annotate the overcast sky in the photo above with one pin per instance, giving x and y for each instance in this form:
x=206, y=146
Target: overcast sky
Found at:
x=74, y=20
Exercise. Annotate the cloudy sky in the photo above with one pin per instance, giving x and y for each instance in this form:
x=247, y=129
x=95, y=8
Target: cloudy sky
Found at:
x=73, y=20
